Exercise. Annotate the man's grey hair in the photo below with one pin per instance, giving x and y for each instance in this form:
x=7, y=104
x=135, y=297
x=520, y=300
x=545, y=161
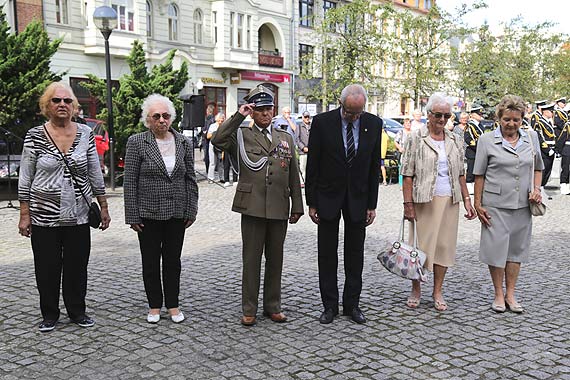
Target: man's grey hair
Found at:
x=353, y=90
x=154, y=99
x=438, y=98
x=285, y=109
x=220, y=115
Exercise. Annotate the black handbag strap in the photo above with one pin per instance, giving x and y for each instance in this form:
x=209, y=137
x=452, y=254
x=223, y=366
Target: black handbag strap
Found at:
x=75, y=182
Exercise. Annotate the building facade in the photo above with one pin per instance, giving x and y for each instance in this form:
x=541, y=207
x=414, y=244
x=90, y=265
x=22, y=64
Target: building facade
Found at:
x=230, y=45
x=388, y=101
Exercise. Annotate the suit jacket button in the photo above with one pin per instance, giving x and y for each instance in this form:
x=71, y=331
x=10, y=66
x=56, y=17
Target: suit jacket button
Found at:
x=270, y=163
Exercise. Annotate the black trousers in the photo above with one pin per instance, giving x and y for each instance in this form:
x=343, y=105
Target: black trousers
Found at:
x=354, y=235
x=228, y=168
x=60, y=250
x=469, y=177
x=162, y=239
x=206, y=150
x=565, y=169
x=548, y=161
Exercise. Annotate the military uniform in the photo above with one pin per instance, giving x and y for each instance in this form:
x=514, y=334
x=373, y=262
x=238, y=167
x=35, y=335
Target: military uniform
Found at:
x=546, y=138
x=268, y=192
x=563, y=147
x=560, y=116
x=471, y=135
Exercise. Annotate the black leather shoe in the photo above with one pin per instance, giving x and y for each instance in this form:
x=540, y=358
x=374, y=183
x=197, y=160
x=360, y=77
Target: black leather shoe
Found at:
x=355, y=314
x=327, y=316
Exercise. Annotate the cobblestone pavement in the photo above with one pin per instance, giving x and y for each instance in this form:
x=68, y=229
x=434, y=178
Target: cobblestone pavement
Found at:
x=468, y=341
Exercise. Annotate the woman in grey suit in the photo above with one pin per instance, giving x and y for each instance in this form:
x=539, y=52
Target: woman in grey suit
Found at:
x=161, y=201
x=504, y=186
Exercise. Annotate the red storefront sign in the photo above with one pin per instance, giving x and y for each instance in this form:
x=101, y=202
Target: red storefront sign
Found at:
x=265, y=77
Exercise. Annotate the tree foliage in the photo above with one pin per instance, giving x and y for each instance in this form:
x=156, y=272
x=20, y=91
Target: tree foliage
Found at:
x=25, y=72
x=524, y=60
x=134, y=87
x=383, y=48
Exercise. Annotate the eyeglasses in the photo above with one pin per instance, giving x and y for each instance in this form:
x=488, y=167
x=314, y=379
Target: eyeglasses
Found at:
x=350, y=113
x=439, y=115
x=65, y=100
x=306, y=117
x=157, y=116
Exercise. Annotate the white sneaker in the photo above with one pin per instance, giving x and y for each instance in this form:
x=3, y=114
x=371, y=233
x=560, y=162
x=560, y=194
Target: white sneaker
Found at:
x=227, y=184
x=153, y=318
x=564, y=189
x=177, y=318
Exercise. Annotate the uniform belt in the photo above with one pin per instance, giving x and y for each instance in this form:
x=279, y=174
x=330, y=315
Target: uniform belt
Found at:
x=567, y=143
x=550, y=142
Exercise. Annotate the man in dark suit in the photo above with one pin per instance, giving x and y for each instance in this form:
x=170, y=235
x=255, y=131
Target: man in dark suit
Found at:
x=343, y=169
x=267, y=195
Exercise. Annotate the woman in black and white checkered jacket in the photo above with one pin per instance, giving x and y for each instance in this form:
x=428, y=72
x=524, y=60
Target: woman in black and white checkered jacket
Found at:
x=161, y=201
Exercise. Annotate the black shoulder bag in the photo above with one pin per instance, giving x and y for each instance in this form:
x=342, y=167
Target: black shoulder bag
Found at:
x=94, y=210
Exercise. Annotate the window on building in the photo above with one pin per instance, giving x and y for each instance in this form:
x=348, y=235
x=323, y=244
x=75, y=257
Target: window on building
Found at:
x=306, y=12
x=242, y=93
x=248, y=34
x=217, y=97
x=125, y=16
x=305, y=59
x=198, y=23
x=328, y=5
x=239, y=39
x=232, y=28
x=61, y=13
x=172, y=22
x=148, y=19
x=215, y=27
x=240, y=31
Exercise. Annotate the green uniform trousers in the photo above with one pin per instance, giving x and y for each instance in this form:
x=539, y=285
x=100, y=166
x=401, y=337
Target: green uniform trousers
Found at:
x=259, y=235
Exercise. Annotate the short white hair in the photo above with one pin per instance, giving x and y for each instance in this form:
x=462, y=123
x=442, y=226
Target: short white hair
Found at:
x=438, y=98
x=353, y=90
x=153, y=99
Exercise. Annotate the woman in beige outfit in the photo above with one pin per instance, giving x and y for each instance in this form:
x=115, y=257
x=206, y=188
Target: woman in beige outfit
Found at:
x=434, y=183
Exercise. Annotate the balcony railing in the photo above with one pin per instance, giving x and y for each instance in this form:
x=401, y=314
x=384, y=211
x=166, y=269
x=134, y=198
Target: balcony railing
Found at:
x=270, y=58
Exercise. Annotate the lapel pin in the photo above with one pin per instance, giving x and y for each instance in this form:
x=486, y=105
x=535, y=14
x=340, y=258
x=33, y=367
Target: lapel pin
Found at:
x=365, y=129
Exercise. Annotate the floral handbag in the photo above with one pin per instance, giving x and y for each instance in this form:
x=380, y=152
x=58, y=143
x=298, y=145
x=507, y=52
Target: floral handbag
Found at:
x=404, y=260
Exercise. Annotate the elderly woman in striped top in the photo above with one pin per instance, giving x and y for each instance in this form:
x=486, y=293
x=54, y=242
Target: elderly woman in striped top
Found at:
x=59, y=170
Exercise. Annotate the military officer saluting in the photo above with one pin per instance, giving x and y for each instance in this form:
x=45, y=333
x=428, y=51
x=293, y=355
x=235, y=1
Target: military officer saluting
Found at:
x=560, y=116
x=472, y=132
x=547, y=138
x=268, y=195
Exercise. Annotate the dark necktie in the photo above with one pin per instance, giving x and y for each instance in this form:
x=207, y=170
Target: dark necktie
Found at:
x=350, y=152
x=266, y=134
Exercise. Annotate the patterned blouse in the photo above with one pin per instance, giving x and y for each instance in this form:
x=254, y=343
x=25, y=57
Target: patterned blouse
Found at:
x=45, y=181
x=420, y=161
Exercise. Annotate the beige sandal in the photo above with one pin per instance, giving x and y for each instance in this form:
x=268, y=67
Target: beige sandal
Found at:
x=413, y=302
x=440, y=305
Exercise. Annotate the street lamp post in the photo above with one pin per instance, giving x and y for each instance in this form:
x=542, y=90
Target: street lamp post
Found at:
x=105, y=19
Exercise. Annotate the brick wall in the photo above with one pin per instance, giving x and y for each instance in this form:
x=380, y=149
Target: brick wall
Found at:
x=28, y=10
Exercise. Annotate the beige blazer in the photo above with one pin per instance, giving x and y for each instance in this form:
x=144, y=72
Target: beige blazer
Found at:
x=420, y=162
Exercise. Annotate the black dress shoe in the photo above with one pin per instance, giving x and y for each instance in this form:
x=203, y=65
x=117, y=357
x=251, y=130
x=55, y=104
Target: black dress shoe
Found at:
x=327, y=316
x=355, y=314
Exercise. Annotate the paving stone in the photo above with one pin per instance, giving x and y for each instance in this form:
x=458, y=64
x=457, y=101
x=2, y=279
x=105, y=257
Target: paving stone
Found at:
x=468, y=341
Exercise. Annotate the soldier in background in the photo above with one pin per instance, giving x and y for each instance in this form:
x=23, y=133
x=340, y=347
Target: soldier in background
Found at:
x=473, y=131
x=535, y=116
x=268, y=195
x=547, y=138
x=563, y=148
x=560, y=116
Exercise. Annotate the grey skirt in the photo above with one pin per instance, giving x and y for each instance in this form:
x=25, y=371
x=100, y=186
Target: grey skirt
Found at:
x=508, y=238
